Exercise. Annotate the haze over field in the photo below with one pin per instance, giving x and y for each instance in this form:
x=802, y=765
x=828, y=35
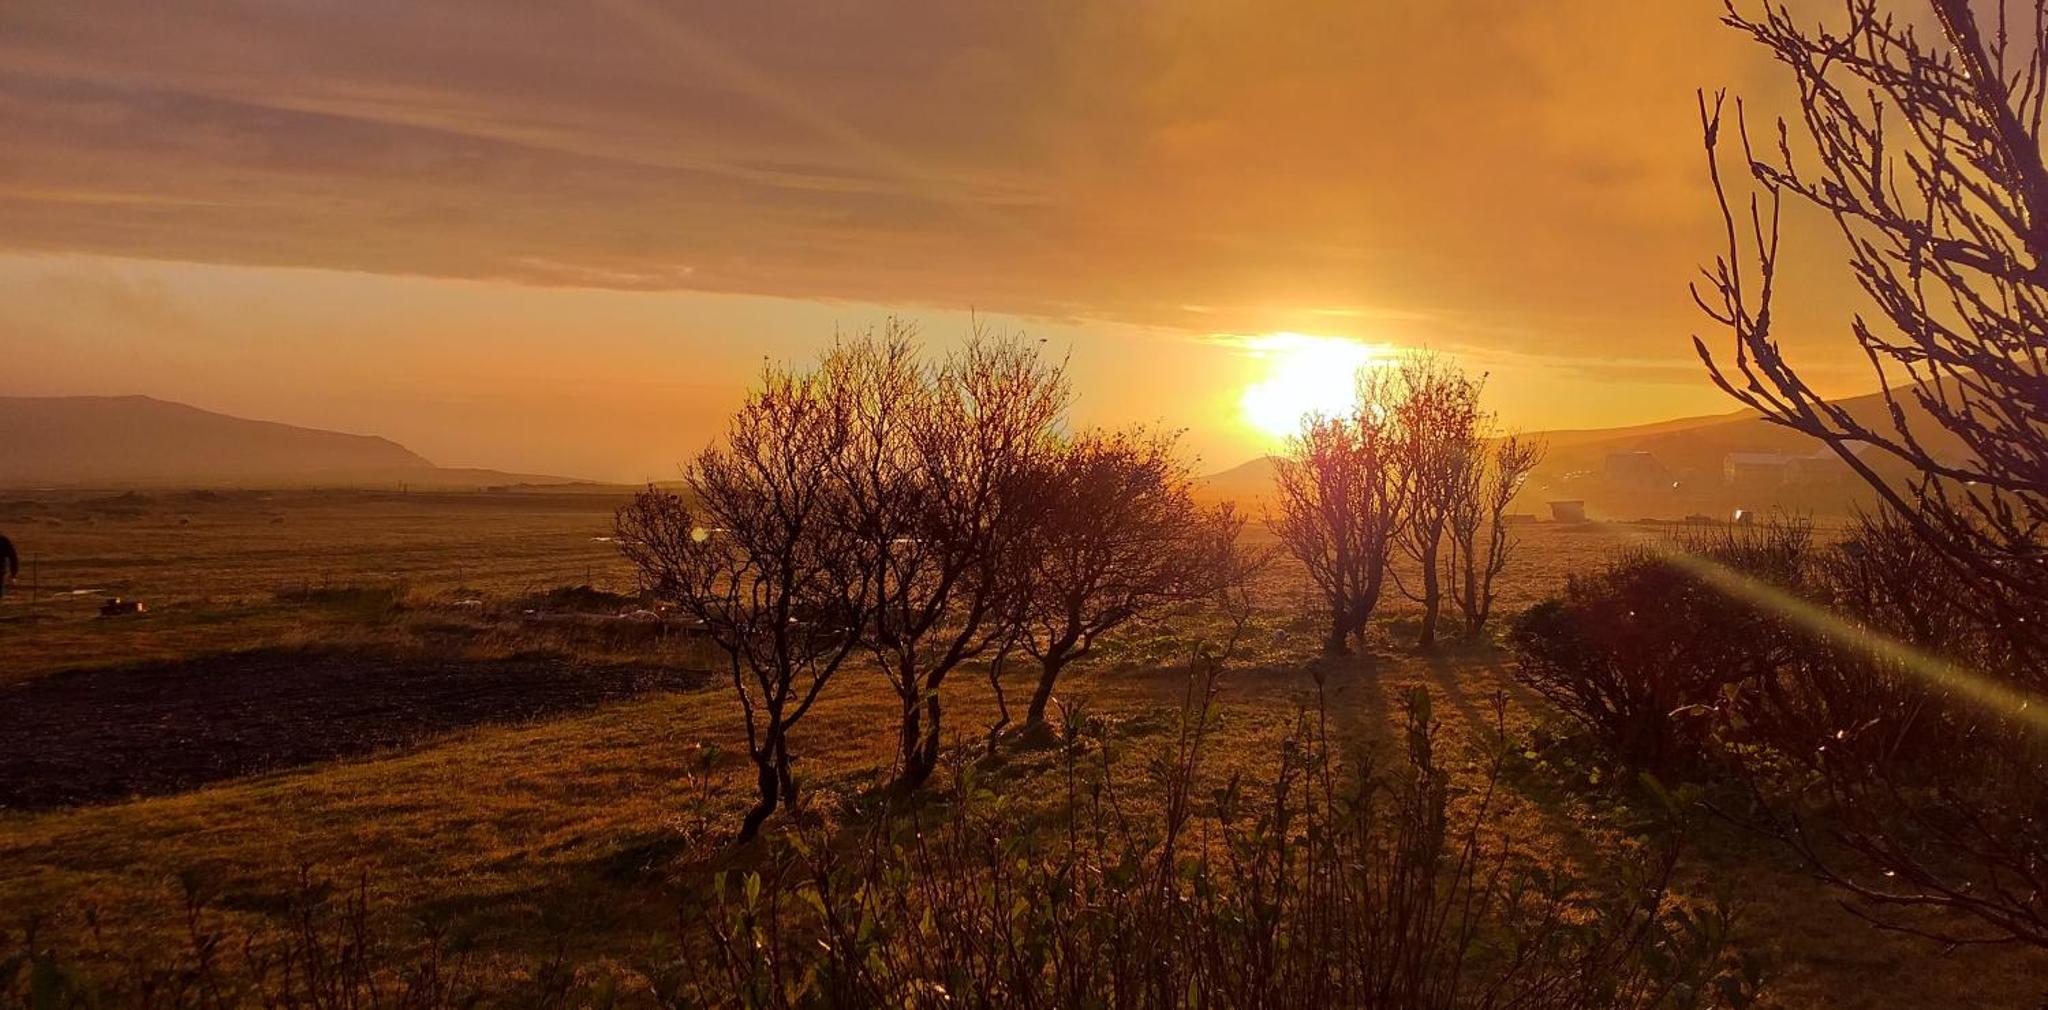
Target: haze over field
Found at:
x=138, y=442
x=523, y=236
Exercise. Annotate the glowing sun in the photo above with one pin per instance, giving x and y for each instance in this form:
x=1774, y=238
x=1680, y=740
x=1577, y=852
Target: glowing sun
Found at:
x=1304, y=374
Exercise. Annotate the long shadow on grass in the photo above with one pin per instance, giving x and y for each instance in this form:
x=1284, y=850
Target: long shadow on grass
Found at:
x=95, y=735
x=639, y=889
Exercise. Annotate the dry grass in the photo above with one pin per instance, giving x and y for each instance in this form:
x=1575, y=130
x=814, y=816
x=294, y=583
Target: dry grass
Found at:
x=211, y=566
x=584, y=829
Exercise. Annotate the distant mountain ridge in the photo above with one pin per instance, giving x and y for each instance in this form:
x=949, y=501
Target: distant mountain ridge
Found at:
x=86, y=441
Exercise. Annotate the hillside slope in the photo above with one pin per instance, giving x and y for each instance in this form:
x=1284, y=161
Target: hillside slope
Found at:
x=1690, y=450
x=139, y=440
x=1699, y=444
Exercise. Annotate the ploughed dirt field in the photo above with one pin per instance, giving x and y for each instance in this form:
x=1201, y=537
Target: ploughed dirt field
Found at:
x=112, y=733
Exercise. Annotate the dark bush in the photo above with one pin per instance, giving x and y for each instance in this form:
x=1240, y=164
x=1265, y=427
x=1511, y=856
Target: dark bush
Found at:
x=1645, y=653
x=1900, y=748
x=1881, y=707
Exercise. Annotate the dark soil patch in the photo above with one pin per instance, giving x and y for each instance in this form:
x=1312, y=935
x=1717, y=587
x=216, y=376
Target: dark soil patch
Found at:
x=92, y=736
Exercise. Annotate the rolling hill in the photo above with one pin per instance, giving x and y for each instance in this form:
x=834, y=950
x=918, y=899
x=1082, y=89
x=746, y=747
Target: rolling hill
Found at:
x=1699, y=445
x=124, y=441
x=1690, y=451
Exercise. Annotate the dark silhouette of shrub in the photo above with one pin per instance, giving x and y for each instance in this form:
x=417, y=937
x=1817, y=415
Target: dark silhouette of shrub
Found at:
x=1901, y=752
x=1883, y=715
x=10, y=564
x=1644, y=654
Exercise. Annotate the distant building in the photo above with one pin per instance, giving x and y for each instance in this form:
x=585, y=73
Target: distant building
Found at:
x=1638, y=469
x=1822, y=467
x=1771, y=469
x=1572, y=511
x=1757, y=467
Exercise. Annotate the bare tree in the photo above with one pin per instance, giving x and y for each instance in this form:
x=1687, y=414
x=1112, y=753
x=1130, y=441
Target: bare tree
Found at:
x=943, y=474
x=1927, y=156
x=763, y=560
x=1121, y=537
x=1436, y=419
x=1341, y=501
x=1925, y=151
x=1480, y=539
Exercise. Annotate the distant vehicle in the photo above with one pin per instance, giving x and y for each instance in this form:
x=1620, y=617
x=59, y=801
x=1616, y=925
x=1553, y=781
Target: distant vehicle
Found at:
x=116, y=607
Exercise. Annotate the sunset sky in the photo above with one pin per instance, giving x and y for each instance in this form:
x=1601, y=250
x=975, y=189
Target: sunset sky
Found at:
x=558, y=237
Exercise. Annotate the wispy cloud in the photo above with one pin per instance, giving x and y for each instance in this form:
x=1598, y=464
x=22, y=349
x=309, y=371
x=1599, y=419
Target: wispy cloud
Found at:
x=1233, y=165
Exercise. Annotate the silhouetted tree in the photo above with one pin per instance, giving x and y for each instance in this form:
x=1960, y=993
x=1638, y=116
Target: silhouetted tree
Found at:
x=944, y=477
x=765, y=560
x=1341, y=501
x=1121, y=537
x=1434, y=412
x=1928, y=158
x=1926, y=153
x=1480, y=540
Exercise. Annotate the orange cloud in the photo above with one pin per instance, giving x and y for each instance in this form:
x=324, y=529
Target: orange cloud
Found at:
x=1490, y=176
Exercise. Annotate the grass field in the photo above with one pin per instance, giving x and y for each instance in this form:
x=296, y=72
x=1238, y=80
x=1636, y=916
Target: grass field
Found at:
x=395, y=686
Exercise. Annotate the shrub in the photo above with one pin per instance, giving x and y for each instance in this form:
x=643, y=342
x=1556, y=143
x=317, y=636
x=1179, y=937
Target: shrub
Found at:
x=324, y=951
x=1644, y=653
x=1900, y=749
x=1323, y=883
x=1880, y=706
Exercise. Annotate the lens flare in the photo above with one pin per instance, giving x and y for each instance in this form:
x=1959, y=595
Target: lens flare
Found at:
x=1963, y=682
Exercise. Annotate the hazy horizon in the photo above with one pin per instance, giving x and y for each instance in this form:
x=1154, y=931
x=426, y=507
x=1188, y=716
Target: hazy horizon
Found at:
x=535, y=240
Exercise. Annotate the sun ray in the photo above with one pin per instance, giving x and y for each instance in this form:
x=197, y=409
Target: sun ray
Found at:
x=1968, y=684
